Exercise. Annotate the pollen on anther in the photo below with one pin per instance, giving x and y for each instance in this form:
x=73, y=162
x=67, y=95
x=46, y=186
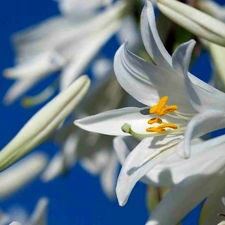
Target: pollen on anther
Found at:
x=157, y=108
x=168, y=109
x=168, y=125
x=155, y=129
x=155, y=120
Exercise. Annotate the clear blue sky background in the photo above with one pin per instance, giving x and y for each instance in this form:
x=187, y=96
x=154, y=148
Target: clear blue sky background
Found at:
x=76, y=199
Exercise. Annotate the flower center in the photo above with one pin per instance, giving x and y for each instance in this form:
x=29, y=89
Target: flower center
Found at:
x=161, y=109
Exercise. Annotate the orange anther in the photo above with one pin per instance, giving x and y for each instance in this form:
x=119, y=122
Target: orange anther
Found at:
x=155, y=129
x=168, y=125
x=167, y=110
x=157, y=108
x=155, y=120
x=153, y=109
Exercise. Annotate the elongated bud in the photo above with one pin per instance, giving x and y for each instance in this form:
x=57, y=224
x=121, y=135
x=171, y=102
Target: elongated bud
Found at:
x=218, y=56
x=212, y=8
x=195, y=21
x=44, y=122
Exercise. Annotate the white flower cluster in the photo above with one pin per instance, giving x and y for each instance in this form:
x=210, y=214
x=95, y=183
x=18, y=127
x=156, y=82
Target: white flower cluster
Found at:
x=159, y=143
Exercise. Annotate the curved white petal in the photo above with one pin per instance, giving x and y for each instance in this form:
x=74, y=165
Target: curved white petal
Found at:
x=141, y=160
x=44, y=122
x=148, y=83
x=213, y=205
x=21, y=174
x=198, y=186
x=203, y=96
x=182, y=57
x=110, y=122
x=151, y=39
x=182, y=199
x=200, y=124
x=132, y=76
x=123, y=146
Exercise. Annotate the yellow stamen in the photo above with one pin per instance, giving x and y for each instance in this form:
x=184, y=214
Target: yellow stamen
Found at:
x=153, y=109
x=155, y=129
x=167, y=110
x=157, y=108
x=161, y=109
x=168, y=125
x=155, y=120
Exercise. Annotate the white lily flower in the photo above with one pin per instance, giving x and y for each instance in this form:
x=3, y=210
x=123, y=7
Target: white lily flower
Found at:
x=44, y=122
x=21, y=173
x=195, y=21
x=39, y=53
x=160, y=131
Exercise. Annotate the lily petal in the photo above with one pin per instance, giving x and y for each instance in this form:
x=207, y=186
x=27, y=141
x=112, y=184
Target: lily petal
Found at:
x=132, y=76
x=151, y=39
x=198, y=187
x=141, y=160
x=203, y=96
x=213, y=205
x=135, y=74
x=182, y=56
x=200, y=124
x=44, y=122
x=111, y=122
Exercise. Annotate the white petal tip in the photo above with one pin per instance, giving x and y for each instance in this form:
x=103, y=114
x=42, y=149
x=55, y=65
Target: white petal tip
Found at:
x=121, y=196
